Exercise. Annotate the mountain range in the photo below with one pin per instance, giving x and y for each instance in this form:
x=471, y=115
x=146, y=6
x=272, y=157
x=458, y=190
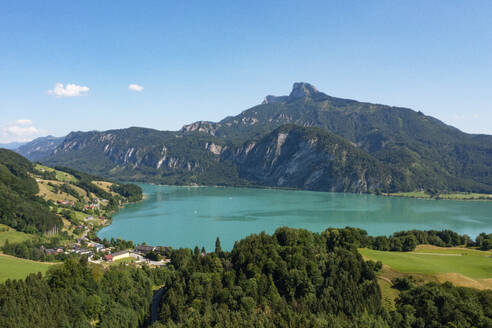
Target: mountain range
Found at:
x=306, y=140
x=39, y=148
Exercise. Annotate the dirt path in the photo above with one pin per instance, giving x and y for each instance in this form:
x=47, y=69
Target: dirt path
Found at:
x=435, y=254
x=154, y=307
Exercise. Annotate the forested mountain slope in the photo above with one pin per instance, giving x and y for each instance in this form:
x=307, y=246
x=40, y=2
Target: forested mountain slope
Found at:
x=141, y=154
x=20, y=208
x=30, y=193
x=433, y=154
x=420, y=151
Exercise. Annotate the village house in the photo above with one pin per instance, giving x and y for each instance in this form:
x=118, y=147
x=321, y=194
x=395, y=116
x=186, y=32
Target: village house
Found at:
x=49, y=251
x=144, y=249
x=52, y=251
x=83, y=251
x=98, y=246
x=66, y=202
x=120, y=255
x=90, y=207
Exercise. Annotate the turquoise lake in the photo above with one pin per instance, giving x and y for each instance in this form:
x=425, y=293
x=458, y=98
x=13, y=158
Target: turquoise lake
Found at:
x=195, y=216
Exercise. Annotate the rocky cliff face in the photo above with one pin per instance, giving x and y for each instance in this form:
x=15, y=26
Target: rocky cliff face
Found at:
x=291, y=156
x=201, y=126
x=145, y=155
x=312, y=159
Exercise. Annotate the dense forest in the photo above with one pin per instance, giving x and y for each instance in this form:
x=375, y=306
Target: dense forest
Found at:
x=293, y=278
x=20, y=208
x=296, y=278
x=78, y=294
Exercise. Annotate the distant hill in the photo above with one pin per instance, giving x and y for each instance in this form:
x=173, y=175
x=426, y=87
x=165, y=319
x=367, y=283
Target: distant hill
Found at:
x=12, y=145
x=39, y=148
x=418, y=151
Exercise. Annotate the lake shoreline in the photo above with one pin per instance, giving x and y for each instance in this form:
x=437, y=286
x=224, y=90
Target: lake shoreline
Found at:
x=485, y=197
x=186, y=216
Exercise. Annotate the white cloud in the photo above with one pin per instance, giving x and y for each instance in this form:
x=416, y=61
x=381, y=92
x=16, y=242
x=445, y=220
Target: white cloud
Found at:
x=136, y=87
x=20, y=130
x=70, y=90
x=24, y=122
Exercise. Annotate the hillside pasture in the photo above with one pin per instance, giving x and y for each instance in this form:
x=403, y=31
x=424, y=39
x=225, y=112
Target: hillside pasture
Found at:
x=106, y=186
x=60, y=176
x=16, y=268
x=47, y=192
x=460, y=266
x=12, y=235
x=434, y=260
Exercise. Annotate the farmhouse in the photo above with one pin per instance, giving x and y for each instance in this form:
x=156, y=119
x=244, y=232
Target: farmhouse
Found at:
x=144, y=249
x=120, y=255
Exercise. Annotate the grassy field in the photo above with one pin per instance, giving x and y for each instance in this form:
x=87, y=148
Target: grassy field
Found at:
x=13, y=236
x=388, y=294
x=461, y=266
x=465, y=196
x=47, y=192
x=60, y=176
x=411, y=194
x=451, y=196
x=436, y=260
x=16, y=268
x=105, y=185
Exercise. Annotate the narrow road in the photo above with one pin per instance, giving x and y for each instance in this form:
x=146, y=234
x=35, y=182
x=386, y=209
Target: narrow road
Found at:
x=154, y=307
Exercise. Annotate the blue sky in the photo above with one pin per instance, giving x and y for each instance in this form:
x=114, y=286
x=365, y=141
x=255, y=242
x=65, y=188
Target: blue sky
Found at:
x=204, y=60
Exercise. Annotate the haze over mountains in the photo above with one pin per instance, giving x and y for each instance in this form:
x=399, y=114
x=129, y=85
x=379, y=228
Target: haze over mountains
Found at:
x=305, y=140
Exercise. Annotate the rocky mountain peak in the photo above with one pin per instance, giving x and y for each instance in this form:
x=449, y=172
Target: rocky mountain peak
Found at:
x=273, y=99
x=299, y=90
x=302, y=89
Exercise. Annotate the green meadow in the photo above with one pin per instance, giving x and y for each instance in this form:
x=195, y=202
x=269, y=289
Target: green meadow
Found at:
x=436, y=260
x=60, y=176
x=16, y=268
x=13, y=236
x=451, y=196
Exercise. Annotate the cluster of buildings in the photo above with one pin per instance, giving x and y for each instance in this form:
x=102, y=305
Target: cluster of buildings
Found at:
x=52, y=251
x=145, y=249
x=91, y=207
x=70, y=203
x=139, y=253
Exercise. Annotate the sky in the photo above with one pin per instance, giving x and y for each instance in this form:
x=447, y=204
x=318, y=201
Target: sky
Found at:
x=98, y=65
